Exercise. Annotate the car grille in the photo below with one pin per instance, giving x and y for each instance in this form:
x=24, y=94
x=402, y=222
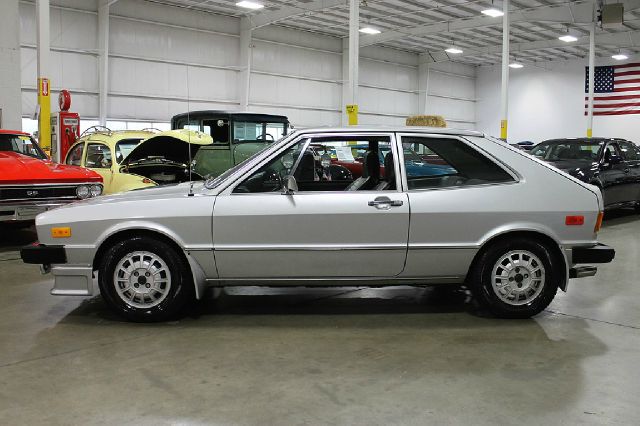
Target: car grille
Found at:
x=38, y=193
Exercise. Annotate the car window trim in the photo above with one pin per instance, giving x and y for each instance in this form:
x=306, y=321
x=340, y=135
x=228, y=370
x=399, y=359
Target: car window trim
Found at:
x=86, y=151
x=511, y=172
x=238, y=177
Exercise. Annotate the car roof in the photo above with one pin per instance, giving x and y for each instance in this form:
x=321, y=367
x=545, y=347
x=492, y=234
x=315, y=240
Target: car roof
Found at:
x=13, y=132
x=583, y=140
x=391, y=129
x=232, y=114
x=115, y=136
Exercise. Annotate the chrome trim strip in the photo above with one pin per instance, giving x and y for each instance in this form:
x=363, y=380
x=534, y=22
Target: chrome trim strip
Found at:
x=57, y=185
x=336, y=281
x=326, y=247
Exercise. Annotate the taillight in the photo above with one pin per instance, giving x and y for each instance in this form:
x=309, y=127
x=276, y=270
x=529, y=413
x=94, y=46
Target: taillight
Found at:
x=598, y=222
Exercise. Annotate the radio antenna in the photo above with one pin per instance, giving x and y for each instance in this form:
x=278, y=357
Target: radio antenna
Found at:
x=189, y=136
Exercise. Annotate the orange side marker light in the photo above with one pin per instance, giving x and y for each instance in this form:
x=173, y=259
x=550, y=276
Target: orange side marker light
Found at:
x=64, y=232
x=598, y=222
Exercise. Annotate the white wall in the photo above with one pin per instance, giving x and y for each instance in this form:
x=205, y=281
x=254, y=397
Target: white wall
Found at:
x=10, y=106
x=545, y=103
x=161, y=56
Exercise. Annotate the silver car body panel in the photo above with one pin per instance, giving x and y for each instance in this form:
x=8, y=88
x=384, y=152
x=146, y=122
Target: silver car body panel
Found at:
x=326, y=238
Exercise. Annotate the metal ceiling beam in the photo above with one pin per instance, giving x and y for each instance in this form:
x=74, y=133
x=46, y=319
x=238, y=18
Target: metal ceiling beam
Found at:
x=266, y=18
x=571, y=13
x=619, y=40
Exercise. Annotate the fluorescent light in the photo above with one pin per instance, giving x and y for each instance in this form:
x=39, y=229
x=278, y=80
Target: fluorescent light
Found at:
x=249, y=5
x=620, y=57
x=516, y=65
x=453, y=50
x=369, y=30
x=493, y=12
x=568, y=38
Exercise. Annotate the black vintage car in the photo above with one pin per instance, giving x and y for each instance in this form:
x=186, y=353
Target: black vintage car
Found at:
x=611, y=164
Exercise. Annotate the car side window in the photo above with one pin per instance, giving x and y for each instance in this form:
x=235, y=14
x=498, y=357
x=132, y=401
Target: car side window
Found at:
x=74, y=158
x=447, y=162
x=98, y=156
x=630, y=151
x=611, y=154
x=339, y=163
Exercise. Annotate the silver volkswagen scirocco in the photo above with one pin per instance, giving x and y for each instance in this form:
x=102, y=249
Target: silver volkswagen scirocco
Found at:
x=374, y=206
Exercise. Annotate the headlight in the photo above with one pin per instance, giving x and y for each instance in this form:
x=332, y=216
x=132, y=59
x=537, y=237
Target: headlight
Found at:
x=83, y=192
x=95, y=190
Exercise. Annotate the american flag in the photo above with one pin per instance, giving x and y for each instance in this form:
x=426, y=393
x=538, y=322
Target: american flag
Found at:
x=616, y=90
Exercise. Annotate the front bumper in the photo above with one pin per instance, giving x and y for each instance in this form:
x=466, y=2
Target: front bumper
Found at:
x=599, y=253
x=69, y=280
x=25, y=211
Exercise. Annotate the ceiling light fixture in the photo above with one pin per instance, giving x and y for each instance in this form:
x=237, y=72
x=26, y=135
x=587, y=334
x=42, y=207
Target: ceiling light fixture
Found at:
x=619, y=57
x=493, y=12
x=369, y=30
x=516, y=65
x=568, y=38
x=246, y=4
x=454, y=50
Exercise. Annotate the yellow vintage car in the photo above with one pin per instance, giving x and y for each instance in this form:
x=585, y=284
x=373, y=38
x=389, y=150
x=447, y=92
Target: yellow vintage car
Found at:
x=134, y=159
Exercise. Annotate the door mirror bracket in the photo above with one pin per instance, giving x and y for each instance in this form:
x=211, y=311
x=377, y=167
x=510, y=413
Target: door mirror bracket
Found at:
x=290, y=186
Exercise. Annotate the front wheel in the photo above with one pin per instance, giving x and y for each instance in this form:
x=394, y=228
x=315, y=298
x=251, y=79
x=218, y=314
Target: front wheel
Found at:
x=515, y=279
x=145, y=279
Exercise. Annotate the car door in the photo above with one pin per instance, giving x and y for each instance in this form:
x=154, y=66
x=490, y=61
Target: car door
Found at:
x=99, y=159
x=613, y=175
x=327, y=229
x=631, y=154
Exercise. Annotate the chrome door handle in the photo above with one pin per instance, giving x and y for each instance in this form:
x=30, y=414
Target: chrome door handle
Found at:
x=384, y=202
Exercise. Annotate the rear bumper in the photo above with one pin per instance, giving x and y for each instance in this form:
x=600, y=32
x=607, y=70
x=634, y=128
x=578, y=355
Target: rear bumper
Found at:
x=599, y=253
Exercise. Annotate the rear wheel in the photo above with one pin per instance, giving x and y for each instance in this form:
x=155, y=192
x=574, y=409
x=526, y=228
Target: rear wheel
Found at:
x=145, y=279
x=516, y=278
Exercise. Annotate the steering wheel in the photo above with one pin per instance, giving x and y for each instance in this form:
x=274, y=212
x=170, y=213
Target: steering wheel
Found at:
x=264, y=137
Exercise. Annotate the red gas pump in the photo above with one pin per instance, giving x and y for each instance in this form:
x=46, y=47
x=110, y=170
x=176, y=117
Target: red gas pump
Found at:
x=65, y=127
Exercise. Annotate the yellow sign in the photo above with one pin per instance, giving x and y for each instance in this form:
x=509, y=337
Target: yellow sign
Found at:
x=352, y=113
x=44, y=126
x=503, y=129
x=589, y=133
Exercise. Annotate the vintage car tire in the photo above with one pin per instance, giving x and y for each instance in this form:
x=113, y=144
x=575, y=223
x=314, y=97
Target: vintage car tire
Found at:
x=167, y=259
x=489, y=265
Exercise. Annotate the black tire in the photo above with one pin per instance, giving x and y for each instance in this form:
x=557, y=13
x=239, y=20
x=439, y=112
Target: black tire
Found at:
x=180, y=283
x=480, y=279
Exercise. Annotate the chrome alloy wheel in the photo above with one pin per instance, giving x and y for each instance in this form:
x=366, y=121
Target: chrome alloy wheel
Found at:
x=518, y=277
x=142, y=279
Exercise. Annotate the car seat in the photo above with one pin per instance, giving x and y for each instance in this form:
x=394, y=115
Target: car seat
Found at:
x=370, y=173
x=389, y=181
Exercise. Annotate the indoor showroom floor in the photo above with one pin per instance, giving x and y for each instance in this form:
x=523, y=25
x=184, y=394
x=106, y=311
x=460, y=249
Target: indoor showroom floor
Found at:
x=351, y=356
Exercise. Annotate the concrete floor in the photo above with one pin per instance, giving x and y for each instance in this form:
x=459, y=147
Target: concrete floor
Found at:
x=327, y=356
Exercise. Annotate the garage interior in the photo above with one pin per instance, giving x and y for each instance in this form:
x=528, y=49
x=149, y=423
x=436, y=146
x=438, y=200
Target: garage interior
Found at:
x=352, y=355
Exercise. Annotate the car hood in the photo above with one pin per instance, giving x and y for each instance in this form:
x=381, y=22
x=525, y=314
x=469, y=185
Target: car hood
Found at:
x=21, y=169
x=151, y=193
x=172, y=145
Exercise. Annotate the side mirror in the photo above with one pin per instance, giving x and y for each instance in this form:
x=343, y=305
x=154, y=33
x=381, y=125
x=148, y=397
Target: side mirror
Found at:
x=290, y=186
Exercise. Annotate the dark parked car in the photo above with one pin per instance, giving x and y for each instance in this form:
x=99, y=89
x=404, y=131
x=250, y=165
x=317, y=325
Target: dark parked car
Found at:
x=611, y=164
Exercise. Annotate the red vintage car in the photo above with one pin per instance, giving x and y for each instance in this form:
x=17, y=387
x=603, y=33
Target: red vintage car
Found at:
x=30, y=183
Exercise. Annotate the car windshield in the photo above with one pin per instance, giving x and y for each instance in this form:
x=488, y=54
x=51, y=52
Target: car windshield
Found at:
x=567, y=150
x=213, y=182
x=124, y=148
x=22, y=144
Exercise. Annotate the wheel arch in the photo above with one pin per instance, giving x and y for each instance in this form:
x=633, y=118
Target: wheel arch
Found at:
x=198, y=275
x=547, y=240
